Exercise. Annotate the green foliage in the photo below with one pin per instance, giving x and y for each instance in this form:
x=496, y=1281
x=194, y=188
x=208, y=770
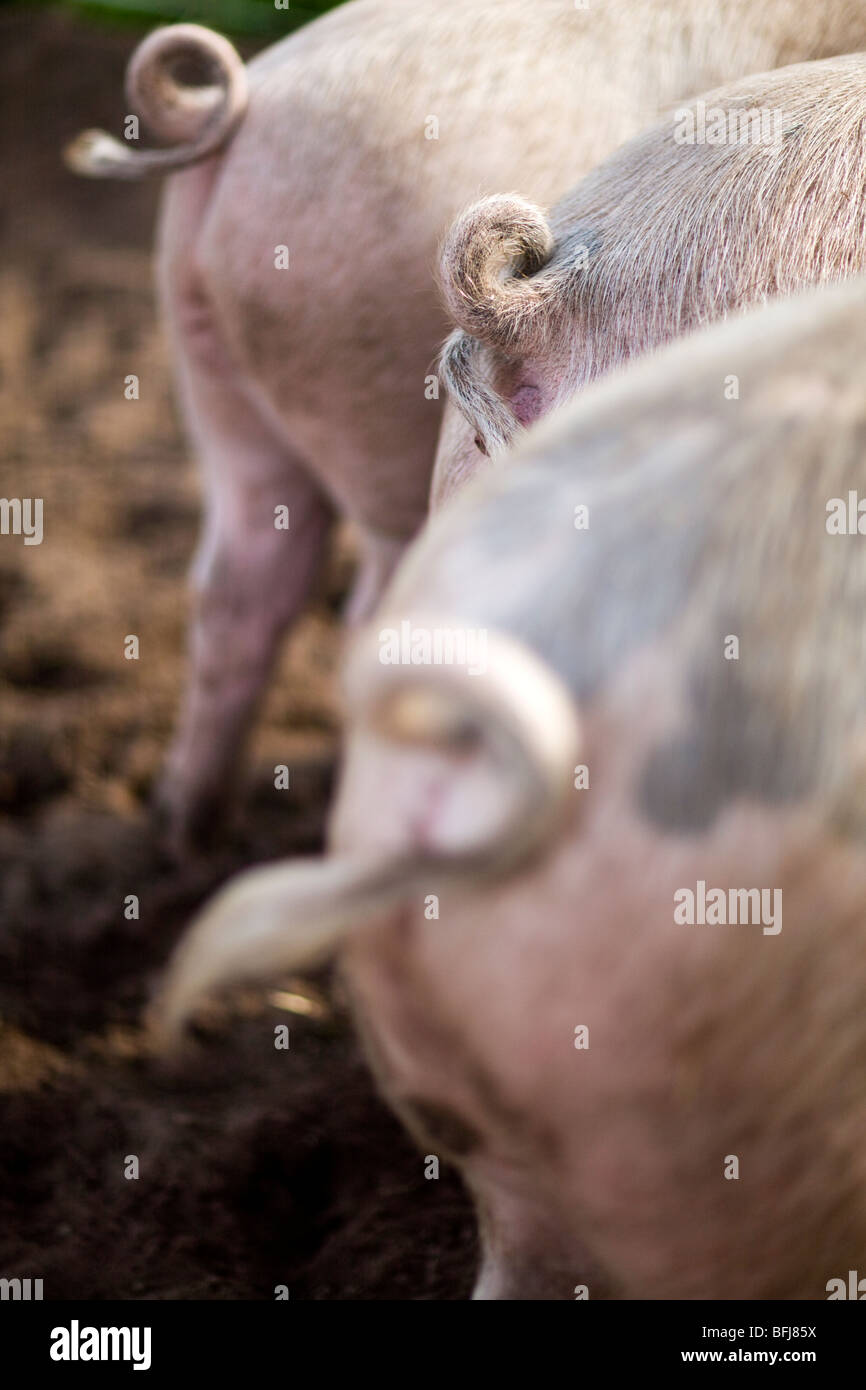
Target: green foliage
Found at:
x=257, y=18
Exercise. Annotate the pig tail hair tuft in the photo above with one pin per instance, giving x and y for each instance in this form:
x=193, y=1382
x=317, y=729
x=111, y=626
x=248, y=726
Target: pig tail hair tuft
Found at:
x=461, y=372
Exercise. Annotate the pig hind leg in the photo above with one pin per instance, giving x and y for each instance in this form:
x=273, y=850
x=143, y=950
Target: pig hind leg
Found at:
x=251, y=576
x=378, y=560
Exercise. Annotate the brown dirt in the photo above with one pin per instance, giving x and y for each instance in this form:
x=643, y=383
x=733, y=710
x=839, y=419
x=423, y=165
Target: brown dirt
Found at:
x=258, y=1167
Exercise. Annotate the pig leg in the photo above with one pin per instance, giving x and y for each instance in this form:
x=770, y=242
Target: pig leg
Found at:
x=379, y=558
x=250, y=582
x=250, y=577
x=527, y=1257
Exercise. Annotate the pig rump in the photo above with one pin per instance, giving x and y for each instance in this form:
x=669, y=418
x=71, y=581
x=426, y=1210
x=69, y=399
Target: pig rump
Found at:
x=294, y=915
x=666, y=236
x=196, y=120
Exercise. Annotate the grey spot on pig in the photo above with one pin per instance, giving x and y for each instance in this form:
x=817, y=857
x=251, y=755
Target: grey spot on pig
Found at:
x=688, y=781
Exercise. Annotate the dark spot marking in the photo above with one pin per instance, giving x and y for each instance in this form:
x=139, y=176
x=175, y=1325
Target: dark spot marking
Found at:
x=735, y=747
x=526, y=403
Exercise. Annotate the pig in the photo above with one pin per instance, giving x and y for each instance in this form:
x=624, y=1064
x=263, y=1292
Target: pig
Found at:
x=310, y=392
x=755, y=190
x=646, y=1100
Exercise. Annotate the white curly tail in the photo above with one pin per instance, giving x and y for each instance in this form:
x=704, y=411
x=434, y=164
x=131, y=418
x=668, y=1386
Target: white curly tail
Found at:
x=194, y=121
x=292, y=915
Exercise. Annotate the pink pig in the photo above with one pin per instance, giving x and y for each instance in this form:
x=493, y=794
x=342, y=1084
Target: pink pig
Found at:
x=754, y=190
x=599, y=890
x=343, y=153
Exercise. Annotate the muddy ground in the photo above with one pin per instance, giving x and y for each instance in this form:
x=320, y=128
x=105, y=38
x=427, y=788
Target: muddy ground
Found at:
x=257, y=1167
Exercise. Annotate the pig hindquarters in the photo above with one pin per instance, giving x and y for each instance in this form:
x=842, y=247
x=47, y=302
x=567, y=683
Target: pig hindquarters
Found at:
x=295, y=268
x=671, y=232
x=645, y=1101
